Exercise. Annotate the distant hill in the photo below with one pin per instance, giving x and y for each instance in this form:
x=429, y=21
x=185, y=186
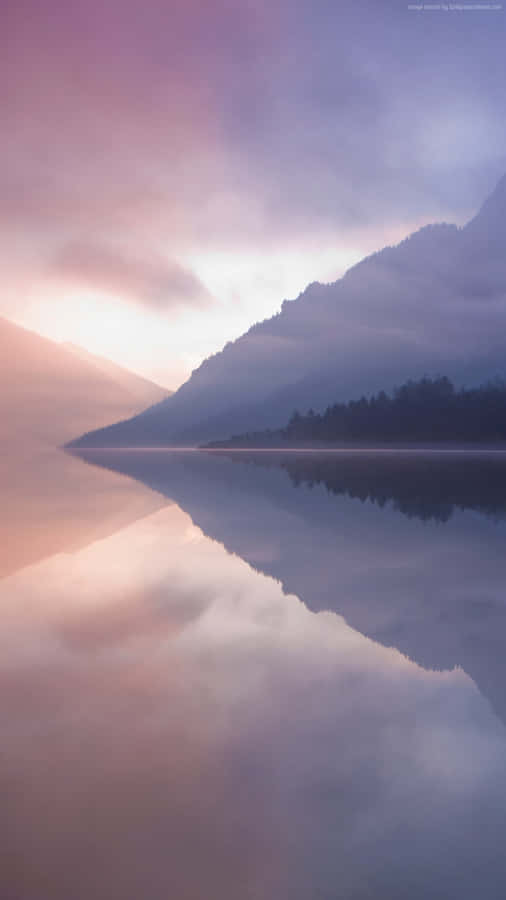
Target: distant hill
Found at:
x=141, y=389
x=435, y=303
x=50, y=393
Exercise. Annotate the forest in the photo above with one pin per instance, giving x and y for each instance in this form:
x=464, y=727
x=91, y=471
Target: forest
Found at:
x=430, y=409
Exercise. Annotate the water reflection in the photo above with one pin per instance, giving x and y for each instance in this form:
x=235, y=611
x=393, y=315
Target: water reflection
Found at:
x=178, y=722
x=396, y=568
x=51, y=503
x=429, y=485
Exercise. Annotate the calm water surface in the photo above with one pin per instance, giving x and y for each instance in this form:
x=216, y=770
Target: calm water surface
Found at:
x=272, y=676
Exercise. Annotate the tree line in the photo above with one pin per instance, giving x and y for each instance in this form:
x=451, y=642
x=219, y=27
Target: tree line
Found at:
x=428, y=409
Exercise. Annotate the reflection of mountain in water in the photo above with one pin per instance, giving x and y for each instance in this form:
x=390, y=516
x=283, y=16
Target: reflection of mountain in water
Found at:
x=52, y=504
x=434, y=591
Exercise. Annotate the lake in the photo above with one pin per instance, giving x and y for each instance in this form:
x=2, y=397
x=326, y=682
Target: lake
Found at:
x=276, y=676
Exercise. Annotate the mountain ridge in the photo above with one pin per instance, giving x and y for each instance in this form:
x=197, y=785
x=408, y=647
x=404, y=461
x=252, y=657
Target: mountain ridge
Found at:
x=413, y=309
x=51, y=392
x=139, y=386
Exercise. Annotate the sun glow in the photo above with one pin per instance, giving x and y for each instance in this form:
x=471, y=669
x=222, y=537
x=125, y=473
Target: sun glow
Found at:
x=166, y=345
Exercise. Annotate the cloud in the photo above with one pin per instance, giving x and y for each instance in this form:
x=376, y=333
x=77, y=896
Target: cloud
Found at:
x=259, y=131
x=157, y=283
x=212, y=124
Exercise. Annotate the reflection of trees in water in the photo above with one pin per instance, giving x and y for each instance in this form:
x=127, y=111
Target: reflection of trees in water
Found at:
x=427, y=486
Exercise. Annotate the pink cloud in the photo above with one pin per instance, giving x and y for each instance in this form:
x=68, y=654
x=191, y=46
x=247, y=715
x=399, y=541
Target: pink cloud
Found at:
x=156, y=282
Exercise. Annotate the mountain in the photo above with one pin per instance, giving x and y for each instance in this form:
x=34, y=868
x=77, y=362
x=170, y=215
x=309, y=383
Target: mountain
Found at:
x=51, y=392
x=435, y=303
x=142, y=390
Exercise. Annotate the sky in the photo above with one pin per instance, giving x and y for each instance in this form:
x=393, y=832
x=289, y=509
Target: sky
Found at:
x=171, y=171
